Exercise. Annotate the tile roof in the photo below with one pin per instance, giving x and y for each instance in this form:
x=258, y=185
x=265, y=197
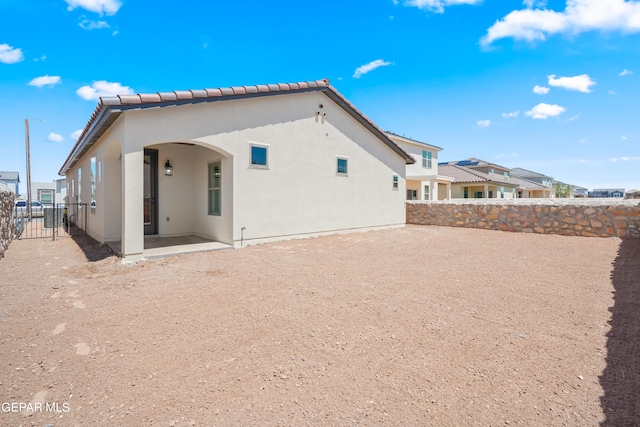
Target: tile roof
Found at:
x=525, y=173
x=9, y=176
x=109, y=109
x=473, y=161
x=461, y=174
x=400, y=137
x=525, y=184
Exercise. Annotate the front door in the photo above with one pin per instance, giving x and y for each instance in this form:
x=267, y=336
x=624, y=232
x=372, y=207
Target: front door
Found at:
x=150, y=191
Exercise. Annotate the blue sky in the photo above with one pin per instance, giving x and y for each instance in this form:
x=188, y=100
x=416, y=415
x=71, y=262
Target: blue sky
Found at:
x=550, y=86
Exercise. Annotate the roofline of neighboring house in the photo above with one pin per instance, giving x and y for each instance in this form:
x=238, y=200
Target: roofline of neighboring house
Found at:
x=484, y=163
x=110, y=108
x=537, y=174
x=486, y=180
x=413, y=141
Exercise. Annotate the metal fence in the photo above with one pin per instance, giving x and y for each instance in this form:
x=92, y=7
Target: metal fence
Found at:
x=50, y=220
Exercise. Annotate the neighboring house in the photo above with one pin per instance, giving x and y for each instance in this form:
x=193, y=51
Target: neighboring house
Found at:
x=607, y=192
x=530, y=189
x=246, y=164
x=44, y=192
x=473, y=184
x=542, y=179
x=8, y=177
x=579, y=192
x=423, y=180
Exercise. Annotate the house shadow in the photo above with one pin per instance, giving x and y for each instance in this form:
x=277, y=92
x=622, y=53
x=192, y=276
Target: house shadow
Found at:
x=93, y=250
x=620, y=380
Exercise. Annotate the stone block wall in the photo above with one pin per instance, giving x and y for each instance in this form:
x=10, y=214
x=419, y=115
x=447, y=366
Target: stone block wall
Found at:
x=569, y=217
x=7, y=199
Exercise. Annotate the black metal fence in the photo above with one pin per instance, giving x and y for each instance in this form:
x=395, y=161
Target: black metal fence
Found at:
x=50, y=220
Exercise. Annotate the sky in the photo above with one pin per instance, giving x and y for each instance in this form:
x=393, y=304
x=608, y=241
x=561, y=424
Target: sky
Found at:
x=551, y=86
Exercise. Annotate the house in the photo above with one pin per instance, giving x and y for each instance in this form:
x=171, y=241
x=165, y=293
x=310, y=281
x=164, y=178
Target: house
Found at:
x=474, y=184
x=423, y=179
x=607, y=192
x=9, y=177
x=237, y=165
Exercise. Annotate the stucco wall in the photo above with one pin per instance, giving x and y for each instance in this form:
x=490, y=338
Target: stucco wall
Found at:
x=570, y=217
x=7, y=199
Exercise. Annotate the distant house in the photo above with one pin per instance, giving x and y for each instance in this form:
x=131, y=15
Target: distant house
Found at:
x=540, y=178
x=13, y=178
x=607, y=192
x=530, y=189
x=579, y=191
x=238, y=165
x=423, y=179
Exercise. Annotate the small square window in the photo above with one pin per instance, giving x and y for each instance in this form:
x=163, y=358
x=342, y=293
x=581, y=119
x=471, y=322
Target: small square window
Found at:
x=259, y=156
x=342, y=166
x=395, y=182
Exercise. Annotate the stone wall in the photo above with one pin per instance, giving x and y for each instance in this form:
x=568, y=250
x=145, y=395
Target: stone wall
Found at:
x=7, y=198
x=569, y=217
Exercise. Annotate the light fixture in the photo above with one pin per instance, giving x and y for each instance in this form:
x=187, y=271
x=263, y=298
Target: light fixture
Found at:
x=168, y=169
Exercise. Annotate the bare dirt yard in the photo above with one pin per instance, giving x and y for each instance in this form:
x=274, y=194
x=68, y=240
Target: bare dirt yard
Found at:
x=425, y=326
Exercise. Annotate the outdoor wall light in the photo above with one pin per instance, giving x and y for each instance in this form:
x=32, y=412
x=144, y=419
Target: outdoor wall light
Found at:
x=168, y=169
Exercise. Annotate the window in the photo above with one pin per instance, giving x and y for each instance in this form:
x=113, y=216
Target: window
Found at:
x=342, y=166
x=479, y=194
x=412, y=194
x=395, y=182
x=73, y=187
x=502, y=192
x=78, y=197
x=93, y=184
x=506, y=174
x=215, y=187
x=466, y=192
x=426, y=192
x=259, y=156
x=45, y=196
x=100, y=171
x=426, y=159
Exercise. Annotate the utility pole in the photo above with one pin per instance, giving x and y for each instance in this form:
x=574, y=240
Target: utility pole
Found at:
x=26, y=126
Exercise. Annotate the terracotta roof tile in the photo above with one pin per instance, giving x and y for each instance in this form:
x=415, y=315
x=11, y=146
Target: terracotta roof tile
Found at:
x=150, y=97
x=168, y=96
x=130, y=99
x=239, y=90
x=303, y=85
x=263, y=88
x=251, y=89
x=274, y=87
x=183, y=94
x=214, y=92
x=226, y=91
x=199, y=93
x=111, y=100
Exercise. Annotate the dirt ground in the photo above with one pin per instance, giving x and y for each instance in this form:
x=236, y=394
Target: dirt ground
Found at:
x=415, y=326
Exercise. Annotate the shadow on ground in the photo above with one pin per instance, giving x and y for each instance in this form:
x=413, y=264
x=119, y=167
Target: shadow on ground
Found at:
x=93, y=250
x=621, y=378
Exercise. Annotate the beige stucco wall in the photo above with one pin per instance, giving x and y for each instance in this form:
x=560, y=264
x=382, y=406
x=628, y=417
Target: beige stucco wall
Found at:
x=299, y=194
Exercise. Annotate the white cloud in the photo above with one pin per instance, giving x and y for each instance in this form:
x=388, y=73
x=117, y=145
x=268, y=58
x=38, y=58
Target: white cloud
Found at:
x=9, y=54
x=76, y=134
x=626, y=72
x=512, y=114
x=625, y=159
x=540, y=90
x=42, y=58
x=498, y=156
x=579, y=16
x=544, y=111
x=572, y=118
x=484, y=123
x=103, y=88
x=93, y=25
x=364, y=69
x=436, y=6
x=54, y=137
x=612, y=92
x=624, y=138
x=109, y=7
x=580, y=83
x=530, y=4
x=45, y=81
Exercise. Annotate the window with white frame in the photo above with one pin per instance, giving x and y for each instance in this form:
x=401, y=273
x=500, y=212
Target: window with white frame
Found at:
x=215, y=189
x=412, y=194
x=92, y=171
x=259, y=156
x=395, y=182
x=426, y=159
x=79, y=198
x=342, y=166
x=426, y=192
